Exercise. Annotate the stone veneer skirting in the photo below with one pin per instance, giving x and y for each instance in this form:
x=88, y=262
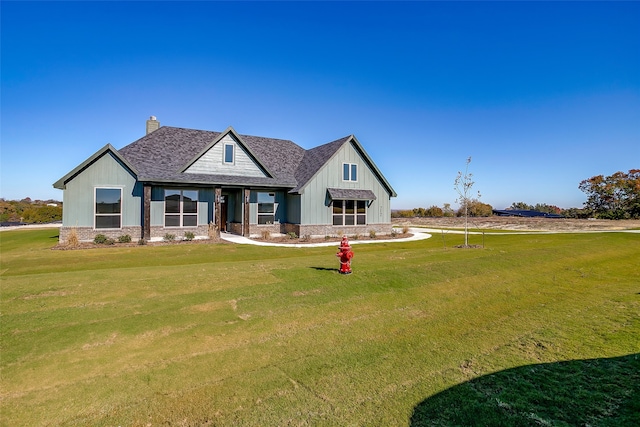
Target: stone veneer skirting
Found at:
x=87, y=234
x=320, y=230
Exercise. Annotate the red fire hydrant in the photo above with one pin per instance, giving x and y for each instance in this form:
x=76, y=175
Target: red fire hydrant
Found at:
x=345, y=254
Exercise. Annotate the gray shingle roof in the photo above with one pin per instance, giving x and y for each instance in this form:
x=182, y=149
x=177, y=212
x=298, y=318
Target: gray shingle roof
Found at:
x=350, y=194
x=163, y=155
x=314, y=159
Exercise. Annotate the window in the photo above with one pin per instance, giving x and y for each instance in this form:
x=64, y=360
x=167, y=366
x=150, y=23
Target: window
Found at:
x=349, y=212
x=180, y=208
x=108, y=208
x=266, y=208
x=228, y=153
x=349, y=172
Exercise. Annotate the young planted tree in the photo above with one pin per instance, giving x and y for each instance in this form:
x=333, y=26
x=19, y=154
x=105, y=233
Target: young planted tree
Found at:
x=463, y=185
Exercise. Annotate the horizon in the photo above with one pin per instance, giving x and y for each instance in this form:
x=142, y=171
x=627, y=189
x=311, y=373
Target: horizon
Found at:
x=540, y=95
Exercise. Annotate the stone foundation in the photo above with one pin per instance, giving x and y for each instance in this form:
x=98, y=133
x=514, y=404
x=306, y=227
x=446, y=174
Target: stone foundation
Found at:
x=315, y=231
x=158, y=232
x=87, y=234
x=235, y=228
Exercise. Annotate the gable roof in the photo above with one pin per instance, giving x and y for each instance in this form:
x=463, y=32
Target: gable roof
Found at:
x=238, y=138
x=107, y=149
x=314, y=159
x=317, y=157
x=164, y=154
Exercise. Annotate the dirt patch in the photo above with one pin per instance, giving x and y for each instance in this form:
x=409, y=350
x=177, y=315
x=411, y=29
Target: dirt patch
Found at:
x=525, y=224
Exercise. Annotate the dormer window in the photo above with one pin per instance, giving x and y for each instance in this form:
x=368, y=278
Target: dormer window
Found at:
x=228, y=153
x=349, y=172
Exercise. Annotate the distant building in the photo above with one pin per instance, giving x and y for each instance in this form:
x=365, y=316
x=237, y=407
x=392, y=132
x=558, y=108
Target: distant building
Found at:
x=525, y=213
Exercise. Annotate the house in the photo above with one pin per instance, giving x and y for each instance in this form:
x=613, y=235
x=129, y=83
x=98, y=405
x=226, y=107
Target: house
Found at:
x=175, y=180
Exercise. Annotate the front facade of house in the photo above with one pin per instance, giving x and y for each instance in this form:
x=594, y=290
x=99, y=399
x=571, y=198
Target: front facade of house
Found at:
x=177, y=181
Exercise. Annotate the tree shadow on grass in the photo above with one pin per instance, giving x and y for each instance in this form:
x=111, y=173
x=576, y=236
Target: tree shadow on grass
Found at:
x=595, y=392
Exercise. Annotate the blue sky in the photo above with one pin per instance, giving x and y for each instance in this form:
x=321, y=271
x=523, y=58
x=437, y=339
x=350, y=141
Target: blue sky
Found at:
x=541, y=95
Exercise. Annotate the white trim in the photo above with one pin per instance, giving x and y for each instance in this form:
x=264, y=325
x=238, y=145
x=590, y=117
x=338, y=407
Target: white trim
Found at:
x=233, y=153
x=273, y=214
x=96, y=214
x=344, y=214
x=351, y=165
x=180, y=214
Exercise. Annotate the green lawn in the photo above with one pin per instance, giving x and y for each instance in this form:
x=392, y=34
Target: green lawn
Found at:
x=531, y=330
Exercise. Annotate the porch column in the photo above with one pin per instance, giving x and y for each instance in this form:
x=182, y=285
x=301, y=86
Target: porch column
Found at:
x=218, y=210
x=146, y=212
x=245, y=218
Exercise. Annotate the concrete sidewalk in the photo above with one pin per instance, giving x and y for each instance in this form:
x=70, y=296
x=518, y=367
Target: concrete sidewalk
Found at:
x=418, y=234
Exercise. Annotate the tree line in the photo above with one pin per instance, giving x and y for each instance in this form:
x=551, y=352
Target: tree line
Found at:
x=608, y=197
x=30, y=211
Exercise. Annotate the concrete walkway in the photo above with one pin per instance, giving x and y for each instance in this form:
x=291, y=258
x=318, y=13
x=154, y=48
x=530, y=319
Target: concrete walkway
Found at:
x=418, y=234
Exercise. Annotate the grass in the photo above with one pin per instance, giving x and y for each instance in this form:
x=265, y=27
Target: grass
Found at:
x=531, y=330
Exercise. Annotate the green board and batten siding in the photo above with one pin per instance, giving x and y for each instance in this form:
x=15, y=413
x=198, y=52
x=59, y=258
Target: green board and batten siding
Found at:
x=314, y=202
x=105, y=172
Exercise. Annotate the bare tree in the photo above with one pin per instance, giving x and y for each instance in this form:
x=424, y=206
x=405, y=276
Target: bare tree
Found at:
x=462, y=185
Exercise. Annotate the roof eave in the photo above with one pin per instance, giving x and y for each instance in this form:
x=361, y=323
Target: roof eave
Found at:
x=352, y=138
x=392, y=192
x=62, y=182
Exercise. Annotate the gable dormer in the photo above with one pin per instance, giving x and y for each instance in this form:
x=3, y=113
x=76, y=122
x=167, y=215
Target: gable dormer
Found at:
x=226, y=155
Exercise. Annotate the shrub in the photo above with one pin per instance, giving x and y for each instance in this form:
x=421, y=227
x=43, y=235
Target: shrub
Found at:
x=356, y=236
x=394, y=232
x=100, y=239
x=124, y=239
x=169, y=237
x=292, y=235
x=188, y=235
x=405, y=229
x=142, y=242
x=266, y=235
x=372, y=234
x=306, y=237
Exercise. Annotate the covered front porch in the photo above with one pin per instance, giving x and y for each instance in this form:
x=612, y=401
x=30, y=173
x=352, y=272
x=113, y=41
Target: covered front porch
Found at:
x=168, y=209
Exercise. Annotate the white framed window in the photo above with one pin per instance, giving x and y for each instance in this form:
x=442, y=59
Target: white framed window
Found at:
x=349, y=212
x=349, y=172
x=108, y=207
x=266, y=208
x=229, y=154
x=180, y=208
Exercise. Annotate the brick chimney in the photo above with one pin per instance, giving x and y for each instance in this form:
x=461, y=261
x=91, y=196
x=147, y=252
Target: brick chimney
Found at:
x=152, y=124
